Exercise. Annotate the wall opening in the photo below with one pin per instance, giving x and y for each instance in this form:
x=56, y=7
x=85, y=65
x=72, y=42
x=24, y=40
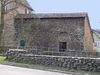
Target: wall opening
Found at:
x=62, y=46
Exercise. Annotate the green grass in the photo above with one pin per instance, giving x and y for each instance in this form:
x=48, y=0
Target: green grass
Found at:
x=43, y=67
x=2, y=59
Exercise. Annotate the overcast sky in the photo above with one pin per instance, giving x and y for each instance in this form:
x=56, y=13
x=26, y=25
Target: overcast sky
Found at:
x=92, y=7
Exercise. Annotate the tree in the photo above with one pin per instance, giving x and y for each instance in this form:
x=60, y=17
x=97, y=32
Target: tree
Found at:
x=4, y=11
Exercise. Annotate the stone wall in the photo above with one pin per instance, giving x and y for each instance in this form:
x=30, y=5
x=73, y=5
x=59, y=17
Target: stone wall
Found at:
x=50, y=51
x=88, y=36
x=48, y=32
x=77, y=63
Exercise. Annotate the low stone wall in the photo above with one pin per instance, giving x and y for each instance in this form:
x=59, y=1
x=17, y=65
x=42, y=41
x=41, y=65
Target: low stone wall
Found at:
x=80, y=63
x=67, y=53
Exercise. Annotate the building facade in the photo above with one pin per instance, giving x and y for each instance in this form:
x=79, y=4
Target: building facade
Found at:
x=61, y=32
x=96, y=35
x=13, y=8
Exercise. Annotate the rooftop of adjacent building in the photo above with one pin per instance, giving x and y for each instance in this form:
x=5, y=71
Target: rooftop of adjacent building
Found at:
x=24, y=3
x=96, y=34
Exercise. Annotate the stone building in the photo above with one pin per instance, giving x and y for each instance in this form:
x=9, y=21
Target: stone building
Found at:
x=60, y=32
x=96, y=35
x=13, y=8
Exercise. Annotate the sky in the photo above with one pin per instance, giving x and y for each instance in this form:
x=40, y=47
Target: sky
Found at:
x=92, y=7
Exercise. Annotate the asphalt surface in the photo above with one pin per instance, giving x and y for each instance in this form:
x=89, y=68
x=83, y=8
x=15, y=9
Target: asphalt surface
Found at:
x=11, y=70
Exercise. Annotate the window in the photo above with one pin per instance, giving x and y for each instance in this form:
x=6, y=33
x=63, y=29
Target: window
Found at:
x=62, y=46
x=27, y=11
x=22, y=42
x=5, y=8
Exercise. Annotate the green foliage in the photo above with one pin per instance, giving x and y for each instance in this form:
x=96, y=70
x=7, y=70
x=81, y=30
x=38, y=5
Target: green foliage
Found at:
x=2, y=59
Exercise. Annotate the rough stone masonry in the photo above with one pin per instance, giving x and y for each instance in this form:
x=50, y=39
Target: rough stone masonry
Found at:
x=63, y=32
x=68, y=62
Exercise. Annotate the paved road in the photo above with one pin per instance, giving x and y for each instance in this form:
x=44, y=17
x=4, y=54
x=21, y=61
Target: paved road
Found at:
x=10, y=70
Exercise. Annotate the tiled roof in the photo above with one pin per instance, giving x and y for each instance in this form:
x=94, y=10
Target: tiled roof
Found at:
x=96, y=30
x=25, y=3
x=51, y=15
x=97, y=33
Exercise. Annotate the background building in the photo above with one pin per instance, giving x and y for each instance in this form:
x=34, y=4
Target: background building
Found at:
x=96, y=35
x=13, y=8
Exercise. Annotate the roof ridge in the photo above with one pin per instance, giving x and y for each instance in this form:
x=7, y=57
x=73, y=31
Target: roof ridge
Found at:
x=52, y=15
x=64, y=13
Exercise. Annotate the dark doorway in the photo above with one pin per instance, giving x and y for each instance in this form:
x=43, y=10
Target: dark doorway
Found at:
x=62, y=46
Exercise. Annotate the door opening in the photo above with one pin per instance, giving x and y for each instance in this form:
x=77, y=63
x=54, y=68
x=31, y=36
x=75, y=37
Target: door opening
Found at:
x=62, y=46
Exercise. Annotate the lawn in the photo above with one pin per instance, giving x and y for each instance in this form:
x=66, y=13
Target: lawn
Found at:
x=42, y=67
x=2, y=59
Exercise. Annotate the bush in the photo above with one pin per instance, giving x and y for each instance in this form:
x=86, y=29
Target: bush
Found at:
x=3, y=50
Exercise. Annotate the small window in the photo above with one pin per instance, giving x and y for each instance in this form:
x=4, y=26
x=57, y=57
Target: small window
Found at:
x=5, y=8
x=27, y=11
x=62, y=46
x=22, y=42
